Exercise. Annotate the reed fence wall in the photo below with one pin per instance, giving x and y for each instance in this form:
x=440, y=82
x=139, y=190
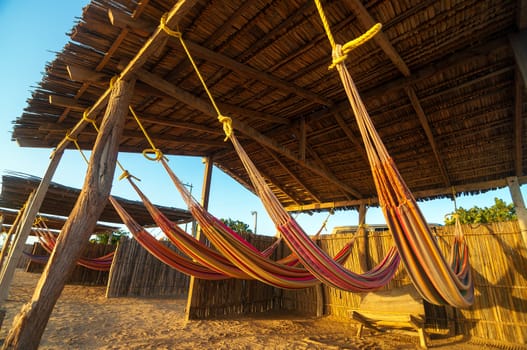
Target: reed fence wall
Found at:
x=499, y=264
x=497, y=255
x=80, y=275
x=135, y=272
x=228, y=298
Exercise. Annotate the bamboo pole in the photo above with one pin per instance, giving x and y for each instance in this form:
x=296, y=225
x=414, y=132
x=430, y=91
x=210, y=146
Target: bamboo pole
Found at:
x=31, y=322
x=205, y=194
x=519, y=204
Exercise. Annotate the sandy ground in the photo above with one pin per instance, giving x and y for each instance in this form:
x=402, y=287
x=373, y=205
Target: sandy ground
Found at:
x=84, y=319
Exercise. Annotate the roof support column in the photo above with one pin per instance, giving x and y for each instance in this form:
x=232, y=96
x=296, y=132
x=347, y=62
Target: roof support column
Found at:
x=205, y=195
x=32, y=319
x=25, y=226
x=362, y=233
x=519, y=204
x=7, y=248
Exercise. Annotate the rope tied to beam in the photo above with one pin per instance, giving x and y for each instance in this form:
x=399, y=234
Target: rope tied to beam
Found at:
x=154, y=151
x=125, y=173
x=340, y=52
x=226, y=121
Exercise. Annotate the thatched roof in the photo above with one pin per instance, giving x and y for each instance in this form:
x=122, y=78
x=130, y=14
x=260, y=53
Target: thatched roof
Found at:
x=440, y=83
x=60, y=199
x=52, y=222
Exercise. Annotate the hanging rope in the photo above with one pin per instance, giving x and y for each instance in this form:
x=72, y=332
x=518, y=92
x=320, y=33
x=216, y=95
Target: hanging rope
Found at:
x=226, y=121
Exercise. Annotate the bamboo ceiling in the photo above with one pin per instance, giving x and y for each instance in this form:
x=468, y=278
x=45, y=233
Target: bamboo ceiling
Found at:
x=60, y=199
x=440, y=82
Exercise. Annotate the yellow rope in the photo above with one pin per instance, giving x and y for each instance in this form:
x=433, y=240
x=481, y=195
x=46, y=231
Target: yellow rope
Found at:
x=154, y=150
x=226, y=121
x=92, y=121
x=349, y=46
x=74, y=140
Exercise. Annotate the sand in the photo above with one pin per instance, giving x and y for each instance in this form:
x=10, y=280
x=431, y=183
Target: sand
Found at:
x=84, y=319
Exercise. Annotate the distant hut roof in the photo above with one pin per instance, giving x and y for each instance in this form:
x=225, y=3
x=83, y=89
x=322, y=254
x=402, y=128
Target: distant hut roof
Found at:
x=60, y=199
x=440, y=82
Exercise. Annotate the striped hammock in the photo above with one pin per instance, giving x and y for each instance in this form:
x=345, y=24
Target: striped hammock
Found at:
x=282, y=273
x=275, y=273
x=48, y=240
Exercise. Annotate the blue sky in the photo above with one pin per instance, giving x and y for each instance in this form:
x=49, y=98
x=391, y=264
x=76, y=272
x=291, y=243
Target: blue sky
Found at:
x=33, y=30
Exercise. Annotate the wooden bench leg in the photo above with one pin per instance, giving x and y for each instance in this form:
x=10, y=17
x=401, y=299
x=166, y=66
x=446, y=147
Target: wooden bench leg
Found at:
x=359, y=330
x=422, y=338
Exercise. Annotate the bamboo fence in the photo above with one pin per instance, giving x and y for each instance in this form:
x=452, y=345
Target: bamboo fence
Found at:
x=135, y=272
x=216, y=299
x=499, y=264
x=497, y=256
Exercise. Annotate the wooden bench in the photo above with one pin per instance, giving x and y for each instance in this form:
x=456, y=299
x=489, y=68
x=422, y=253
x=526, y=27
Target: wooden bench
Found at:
x=398, y=308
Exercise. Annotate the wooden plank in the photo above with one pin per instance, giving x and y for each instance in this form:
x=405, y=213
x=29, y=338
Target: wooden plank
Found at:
x=25, y=226
x=519, y=205
x=519, y=89
x=66, y=102
x=194, y=282
x=364, y=17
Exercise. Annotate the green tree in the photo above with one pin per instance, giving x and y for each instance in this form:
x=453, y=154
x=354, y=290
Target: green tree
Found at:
x=500, y=211
x=104, y=237
x=237, y=225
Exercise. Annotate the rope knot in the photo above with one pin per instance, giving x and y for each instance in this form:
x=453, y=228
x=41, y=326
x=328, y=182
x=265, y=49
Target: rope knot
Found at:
x=164, y=27
x=227, y=125
x=153, y=154
x=340, y=53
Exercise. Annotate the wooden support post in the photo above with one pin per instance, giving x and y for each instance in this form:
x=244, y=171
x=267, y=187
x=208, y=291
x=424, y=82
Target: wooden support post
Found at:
x=363, y=232
x=205, y=195
x=10, y=234
x=31, y=322
x=519, y=204
x=26, y=225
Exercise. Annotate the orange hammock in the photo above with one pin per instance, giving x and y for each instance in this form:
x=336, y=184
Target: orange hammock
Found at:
x=277, y=274
x=282, y=273
x=48, y=241
x=438, y=281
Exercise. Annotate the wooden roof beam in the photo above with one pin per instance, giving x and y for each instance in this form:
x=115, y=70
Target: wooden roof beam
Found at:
x=290, y=173
x=155, y=41
x=428, y=131
x=201, y=105
x=367, y=21
x=440, y=192
x=205, y=107
x=123, y=21
x=519, y=89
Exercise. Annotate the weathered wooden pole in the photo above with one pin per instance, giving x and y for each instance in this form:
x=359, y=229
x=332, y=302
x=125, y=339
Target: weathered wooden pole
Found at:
x=10, y=234
x=30, y=323
x=205, y=195
x=519, y=205
x=26, y=224
x=362, y=233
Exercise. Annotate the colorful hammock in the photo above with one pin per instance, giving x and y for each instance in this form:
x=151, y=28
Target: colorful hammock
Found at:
x=282, y=273
x=274, y=273
x=163, y=252
x=48, y=241
x=438, y=281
